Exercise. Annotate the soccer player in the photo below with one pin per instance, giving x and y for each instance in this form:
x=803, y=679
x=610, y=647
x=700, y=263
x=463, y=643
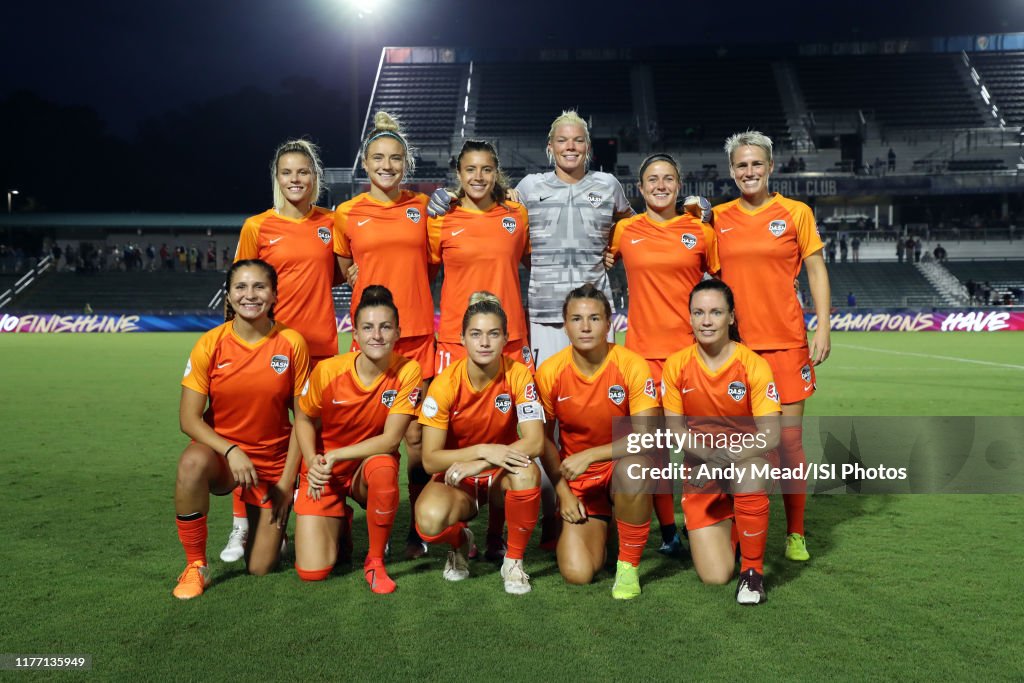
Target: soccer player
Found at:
x=665, y=255
x=720, y=377
x=384, y=233
x=240, y=381
x=472, y=447
x=296, y=238
x=762, y=240
x=583, y=387
x=361, y=403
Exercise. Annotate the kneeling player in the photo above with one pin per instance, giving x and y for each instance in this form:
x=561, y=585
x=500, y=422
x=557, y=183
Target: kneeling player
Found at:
x=250, y=371
x=471, y=445
x=720, y=378
x=583, y=387
x=364, y=401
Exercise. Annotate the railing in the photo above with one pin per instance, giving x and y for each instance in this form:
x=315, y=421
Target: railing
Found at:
x=44, y=265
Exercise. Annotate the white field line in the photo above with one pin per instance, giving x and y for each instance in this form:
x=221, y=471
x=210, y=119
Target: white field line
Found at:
x=932, y=356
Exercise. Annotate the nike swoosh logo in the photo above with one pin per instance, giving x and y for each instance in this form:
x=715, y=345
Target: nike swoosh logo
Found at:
x=808, y=387
x=724, y=230
x=337, y=402
x=636, y=241
x=750, y=535
x=563, y=398
x=686, y=391
x=540, y=199
x=276, y=240
x=456, y=232
x=383, y=513
x=223, y=365
x=363, y=222
x=456, y=412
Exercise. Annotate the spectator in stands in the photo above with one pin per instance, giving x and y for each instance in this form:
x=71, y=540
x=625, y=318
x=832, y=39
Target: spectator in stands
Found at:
x=801, y=165
x=918, y=247
x=760, y=265
x=986, y=292
x=295, y=238
x=211, y=258
x=939, y=253
x=855, y=247
x=851, y=300
x=900, y=246
x=972, y=290
x=830, y=249
x=791, y=165
x=193, y=259
x=909, y=244
x=892, y=160
x=165, y=257
x=844, y=248
x=150, y=257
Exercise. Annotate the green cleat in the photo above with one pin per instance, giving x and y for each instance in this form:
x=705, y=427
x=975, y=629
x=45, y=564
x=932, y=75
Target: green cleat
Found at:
x=627, y=581
x=796, y=548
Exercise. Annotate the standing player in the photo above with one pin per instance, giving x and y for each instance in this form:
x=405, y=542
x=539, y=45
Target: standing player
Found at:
x=295, y=237
x=665, y=255
x=384, y=233
x=719, y=377
x=363, y=402
x=583, y=388
x=240, y=381
x=762, y=239
x=482, y=427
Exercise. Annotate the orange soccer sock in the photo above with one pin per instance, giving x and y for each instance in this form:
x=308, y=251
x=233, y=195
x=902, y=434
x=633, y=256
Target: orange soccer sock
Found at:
x=665, y=508
x=632, y=539
x=313, y=574
x=752, y=528
x=381, y=473
x=521, y=511
x=237, y=506
x=192, y=534
x=451, y=535
x=791, y=455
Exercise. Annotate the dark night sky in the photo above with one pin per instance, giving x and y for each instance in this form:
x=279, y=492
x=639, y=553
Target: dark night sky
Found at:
x=130, y=60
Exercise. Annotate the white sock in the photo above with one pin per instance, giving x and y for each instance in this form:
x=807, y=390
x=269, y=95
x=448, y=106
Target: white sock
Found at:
x=240, y=523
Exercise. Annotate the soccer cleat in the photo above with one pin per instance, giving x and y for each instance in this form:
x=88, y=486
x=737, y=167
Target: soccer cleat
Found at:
x=627, y=581
x=377, y=576
x=671, y=548
x=750, y=588
x=415, y=547
x=796, y=548
x=193, y=581
x=496, y=548
x=235, y=549
x=517, y=581
x=456, y=568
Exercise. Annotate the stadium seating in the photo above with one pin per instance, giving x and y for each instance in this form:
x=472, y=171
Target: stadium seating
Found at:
x=878, y=284
x=118, y=291
x=1003, y=276
x=1003, y=75
x=426, y=98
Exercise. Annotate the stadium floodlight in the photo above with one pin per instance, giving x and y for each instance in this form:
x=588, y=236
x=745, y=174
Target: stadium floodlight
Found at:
x=10, y=196
x=364, y=8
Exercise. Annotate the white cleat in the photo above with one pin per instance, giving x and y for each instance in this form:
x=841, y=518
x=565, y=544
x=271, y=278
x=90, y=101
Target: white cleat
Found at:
x=456, y=567
x=517, y=581
x=235, y=549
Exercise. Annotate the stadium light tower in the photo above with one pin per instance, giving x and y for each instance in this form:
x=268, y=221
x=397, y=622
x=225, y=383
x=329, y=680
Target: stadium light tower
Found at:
x=361, y=15
x=10, y=196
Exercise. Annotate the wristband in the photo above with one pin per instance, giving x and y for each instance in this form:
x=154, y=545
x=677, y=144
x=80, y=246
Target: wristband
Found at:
x=233, y=447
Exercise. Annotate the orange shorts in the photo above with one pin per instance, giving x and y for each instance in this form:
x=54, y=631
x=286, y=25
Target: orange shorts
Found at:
x=793, y=373
x=254, y=494
x=419, y=349
x=710, y=504
x=594, y=491
x=479, y=487
x=332, y=498
x=449, y=352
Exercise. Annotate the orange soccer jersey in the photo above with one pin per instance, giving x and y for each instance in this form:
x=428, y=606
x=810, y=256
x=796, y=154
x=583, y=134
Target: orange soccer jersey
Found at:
x=490, y=415
x=351, y=412
x=742, y=387
x=760, y=253
x=481, y=250
x=663, y=263
x=250, y=388
x=388, y=242
x=585, y=406
x=301, y=253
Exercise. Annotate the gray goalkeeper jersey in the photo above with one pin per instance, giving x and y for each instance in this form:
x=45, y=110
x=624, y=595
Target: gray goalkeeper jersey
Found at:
x=569, y=230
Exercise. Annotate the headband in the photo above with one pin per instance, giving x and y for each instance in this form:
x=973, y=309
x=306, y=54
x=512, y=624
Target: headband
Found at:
x=657, y=157
x=388, y=133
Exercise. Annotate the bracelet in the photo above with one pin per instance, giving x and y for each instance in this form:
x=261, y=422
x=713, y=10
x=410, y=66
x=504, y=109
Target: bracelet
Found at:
x=233, y=447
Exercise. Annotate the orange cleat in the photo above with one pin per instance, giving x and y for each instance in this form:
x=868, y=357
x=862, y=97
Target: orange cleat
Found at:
x=377, y=576
x=193, y=581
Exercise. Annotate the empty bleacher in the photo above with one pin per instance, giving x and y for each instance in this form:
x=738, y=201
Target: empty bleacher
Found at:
x=701, y=100
x=878, y=285
x=521, y=99
x=1003, y=276
x=899, y=91
x=1003, y=75
x=426, y=98
x=120, y=292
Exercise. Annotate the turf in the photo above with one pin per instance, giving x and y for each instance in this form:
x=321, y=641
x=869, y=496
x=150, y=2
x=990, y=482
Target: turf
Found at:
x=899, y=587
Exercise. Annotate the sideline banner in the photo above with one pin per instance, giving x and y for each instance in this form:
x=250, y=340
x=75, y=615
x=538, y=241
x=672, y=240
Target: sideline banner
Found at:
x=851, y=320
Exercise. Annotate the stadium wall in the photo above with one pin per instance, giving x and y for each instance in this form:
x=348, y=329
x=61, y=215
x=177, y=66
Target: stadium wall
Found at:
x=843, y=320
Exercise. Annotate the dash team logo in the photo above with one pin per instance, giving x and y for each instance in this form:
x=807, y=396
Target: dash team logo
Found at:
x=688, y=240
x=737, y=390
x=503, y=402
x=388, y=397
x=413, y=214
x=279, y=363
x=509, y=224
x=617, y=394
x=595, y=199
x=324, y=233
x=805, y=373
x=777, y=228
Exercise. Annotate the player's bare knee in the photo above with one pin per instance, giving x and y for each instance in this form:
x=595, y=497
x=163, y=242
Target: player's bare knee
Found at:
x=527, y=478
x=431, y=519
x=717, y=576
x=577, y=573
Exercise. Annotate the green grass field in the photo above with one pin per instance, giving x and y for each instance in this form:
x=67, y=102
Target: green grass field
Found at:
x=898, y=587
